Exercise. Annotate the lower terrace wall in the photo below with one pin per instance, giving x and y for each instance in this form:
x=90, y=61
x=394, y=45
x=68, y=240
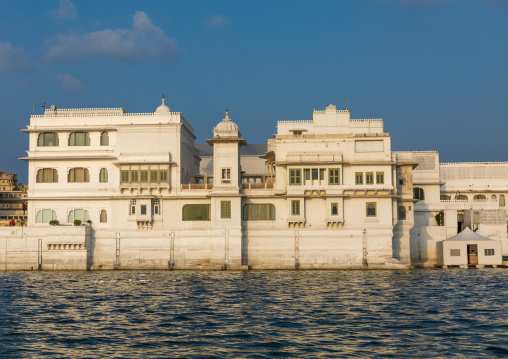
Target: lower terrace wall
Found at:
x=86, y=248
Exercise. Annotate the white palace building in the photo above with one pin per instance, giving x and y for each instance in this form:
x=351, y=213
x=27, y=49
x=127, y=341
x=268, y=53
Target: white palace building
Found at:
x=110, y=189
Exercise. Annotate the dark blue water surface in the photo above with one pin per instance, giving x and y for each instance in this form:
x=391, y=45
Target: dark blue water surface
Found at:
x=255, y=314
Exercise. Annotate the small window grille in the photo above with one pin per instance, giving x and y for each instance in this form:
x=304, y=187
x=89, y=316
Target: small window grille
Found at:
x=132, y=209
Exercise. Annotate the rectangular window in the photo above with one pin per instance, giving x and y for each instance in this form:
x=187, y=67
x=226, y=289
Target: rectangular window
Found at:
x=156, y=206
x=371, y=209
x=369, y=178
x=132, y=209
x=295, y=207
x=334, y=209
x=104, y=216
x=359, y=178
x=334, y=176
x=489, y=252
x=143, y=209
x=45, y=215
x=402, y=213
x=315, y=174
x=380, y=177
x=455, y=252
x=401, y=181
x=322, y=174
x=297, y=132
x=196, y=212
x=226, y=174
x=163, y=176
x=307, y=174
x=79, y=139
x=124, y=176
x=295, y=177
x=225, y=209
x=259, y=212
x=143, y=176
x=134, y=176
x=153, y=176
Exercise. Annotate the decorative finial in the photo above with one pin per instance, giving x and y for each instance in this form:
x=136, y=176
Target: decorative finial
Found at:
x=227, y=114
x=347, y=102
x=163, y=98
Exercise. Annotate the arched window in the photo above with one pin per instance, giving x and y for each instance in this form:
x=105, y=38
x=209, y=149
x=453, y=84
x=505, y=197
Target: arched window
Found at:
x=81, y=214
x=47, y=139
x=494, y=196
x=479, y=197
x=104, y=139
x=335, y=209
x=45, y=215
x=461, y=197
x=501, y=200
x=104, y=216
x=79, y=139
x=445, y=197
x=196, y=212
x=418, y=193
x=371, y=209
x=103, y=175
x=78, y=175
x=259, y=212
x=47, y=175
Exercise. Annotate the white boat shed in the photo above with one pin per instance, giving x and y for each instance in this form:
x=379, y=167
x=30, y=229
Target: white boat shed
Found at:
x=469, y=249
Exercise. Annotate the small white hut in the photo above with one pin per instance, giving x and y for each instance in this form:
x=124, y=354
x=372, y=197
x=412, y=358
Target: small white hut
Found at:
x=469, y=249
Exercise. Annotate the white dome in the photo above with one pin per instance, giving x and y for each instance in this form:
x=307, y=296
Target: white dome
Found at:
x=226, y=128
x=163, y=108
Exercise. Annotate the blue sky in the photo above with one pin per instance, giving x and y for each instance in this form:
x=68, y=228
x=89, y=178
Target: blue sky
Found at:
x=435, y=70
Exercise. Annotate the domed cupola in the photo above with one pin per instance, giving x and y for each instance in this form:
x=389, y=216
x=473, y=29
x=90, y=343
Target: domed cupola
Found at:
x=163, y=109
x=226, y=128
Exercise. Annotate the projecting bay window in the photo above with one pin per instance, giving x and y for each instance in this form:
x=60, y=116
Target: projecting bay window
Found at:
x=295, y=207
x=163, y=176
x=225, y=209
x=295, y=177
x=134, y=176
x=359, y=178
x=259, y=212
x=196, y=212
x=124, y=176
x=380, y=177
x=47, y=139
x=371, y=209
x=47, y=175
x=78, y=175
x=45, y=215
x=143, y=176
x=79, y=139
x=334, y=176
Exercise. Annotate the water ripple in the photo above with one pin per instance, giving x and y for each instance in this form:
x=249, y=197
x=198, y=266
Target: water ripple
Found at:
x=257, y=314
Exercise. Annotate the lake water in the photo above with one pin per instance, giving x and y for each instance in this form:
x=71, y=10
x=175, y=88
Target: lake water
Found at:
x=255, y=314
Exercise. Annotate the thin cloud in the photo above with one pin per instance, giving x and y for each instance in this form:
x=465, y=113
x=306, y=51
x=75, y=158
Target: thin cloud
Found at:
x=216, y=21
x=144, y=41
x=69, y=83
x=67, y=10
x=12, y=58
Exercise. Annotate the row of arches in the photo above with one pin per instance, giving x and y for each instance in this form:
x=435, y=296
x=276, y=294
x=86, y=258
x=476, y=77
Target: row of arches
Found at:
x=78, y=174
x=78, y=138
x=477, y=197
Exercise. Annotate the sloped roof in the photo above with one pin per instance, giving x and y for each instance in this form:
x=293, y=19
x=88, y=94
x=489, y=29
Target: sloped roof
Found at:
x=468, y=235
